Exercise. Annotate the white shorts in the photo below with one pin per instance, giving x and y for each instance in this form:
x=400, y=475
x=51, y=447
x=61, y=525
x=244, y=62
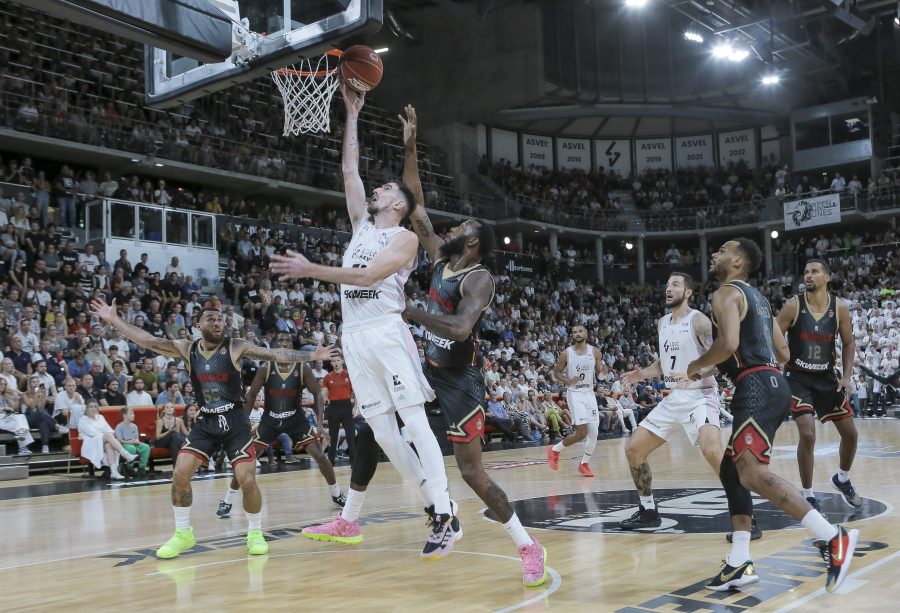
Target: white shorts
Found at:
x=689, y=409
x=583, y=406
x=384, y=367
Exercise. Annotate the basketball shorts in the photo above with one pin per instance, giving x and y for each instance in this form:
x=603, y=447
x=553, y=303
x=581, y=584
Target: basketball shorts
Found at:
x=229, y=430
x=583, y=407
x=384, y=366
x=460, y=392
x=685, y=409
x=817, y=393
x=761, y=401
x=297, y=427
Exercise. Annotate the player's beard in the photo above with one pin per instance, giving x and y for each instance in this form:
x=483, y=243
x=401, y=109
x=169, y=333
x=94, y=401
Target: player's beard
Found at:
x=676, y=302
x=453, y=246
x=211, y=338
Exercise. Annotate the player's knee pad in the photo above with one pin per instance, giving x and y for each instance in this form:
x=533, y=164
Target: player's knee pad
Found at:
x=740, y=501
x=365, y=462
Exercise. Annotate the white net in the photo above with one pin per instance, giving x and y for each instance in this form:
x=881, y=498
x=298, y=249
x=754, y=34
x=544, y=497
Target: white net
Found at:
x=307, y=88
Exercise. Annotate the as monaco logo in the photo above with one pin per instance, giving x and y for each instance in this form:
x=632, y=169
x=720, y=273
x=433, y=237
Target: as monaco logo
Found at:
x=683, y=511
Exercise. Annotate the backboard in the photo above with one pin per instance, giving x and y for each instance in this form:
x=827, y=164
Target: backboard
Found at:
x=266, y=35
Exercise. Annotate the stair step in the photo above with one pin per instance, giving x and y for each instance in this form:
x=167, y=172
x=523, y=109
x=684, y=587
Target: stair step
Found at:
x=16, y=471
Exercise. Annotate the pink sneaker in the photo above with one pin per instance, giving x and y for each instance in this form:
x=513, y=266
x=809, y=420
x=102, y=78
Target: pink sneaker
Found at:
x=533, y=557
x=338, y=531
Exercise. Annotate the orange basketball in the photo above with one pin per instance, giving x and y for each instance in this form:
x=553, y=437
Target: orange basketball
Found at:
x=361, y=68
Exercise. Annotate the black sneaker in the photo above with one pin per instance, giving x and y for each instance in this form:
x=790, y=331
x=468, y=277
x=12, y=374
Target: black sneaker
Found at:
x=730, y=577
x=848, y=492
x=755, y=531
x=141, y=473
x=814, y=503
x=445, y=531
x=642, y=518
x=224, y=510
x=838, y=554
x=340, y=500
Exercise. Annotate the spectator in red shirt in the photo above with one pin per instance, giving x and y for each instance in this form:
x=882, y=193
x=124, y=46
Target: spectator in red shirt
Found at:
x=339, y=411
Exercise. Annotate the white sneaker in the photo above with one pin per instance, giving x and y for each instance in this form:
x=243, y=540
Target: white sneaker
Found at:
x=45, y=449
x=115, y=474
x=129, y=457
x=212, y=466
x=62, y=429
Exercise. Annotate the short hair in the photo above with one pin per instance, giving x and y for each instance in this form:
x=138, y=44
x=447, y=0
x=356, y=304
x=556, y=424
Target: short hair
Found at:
x=689, y=283
x=409, y=197
x=750, y=252
x=487, y=240
x=171, y=383
x=821, y=263
x=124, y=411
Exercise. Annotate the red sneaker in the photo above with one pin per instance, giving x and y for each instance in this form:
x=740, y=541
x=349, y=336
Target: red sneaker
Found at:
x=552, y=458
x=838, y=554
x=585, y=470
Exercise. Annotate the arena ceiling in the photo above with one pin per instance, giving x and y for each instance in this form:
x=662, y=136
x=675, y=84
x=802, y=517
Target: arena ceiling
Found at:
x=614, y=70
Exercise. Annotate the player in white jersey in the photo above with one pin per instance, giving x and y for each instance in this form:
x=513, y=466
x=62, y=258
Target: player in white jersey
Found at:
x=577, y=368
x=692, y=406
x=379, y=350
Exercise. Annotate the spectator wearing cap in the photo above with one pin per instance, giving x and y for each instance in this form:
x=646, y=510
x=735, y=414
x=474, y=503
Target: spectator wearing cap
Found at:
x=112, y=396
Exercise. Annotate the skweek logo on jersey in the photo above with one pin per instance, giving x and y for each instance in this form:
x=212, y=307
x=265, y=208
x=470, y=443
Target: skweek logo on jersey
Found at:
x=439, y=341
x=683, y=511
x=362, y=294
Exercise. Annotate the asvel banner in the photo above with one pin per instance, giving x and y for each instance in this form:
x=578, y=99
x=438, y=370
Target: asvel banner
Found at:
x=737, y=146
x=810, y=212
x=537, y=150
x=504, y=146
x=614, y=156
x=653, y=154
x=573, y=153
x=694, y=151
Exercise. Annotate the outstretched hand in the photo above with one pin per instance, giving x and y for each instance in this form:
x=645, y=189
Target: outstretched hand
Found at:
x=632, y=377
x=353, y=100
x=291, y=266
x=106, y=312
x=325, y=353
x=409, y=125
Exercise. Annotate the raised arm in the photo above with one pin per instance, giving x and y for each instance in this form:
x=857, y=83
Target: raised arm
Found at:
x=420, y=222
x=727, y=302
x=142, y=338
x=261, y=373
x=354, y=190
x=399, y=253
x=477, y=291
x=245, y=349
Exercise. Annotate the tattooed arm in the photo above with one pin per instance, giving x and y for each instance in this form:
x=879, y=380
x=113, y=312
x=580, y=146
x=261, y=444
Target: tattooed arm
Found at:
x=704, y=334
x=109, y=314
x=244, y=349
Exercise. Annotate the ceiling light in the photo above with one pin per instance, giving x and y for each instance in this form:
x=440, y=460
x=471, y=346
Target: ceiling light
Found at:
x=774, y=234
x=722, y=50
x=738, y=55
x=506, y=240
x=771, y=79
x=693, y=36
x=382, y=50
x=629, y=246
x=636, y=3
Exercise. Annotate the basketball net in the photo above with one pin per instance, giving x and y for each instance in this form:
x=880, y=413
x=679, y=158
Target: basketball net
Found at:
x=307, y=88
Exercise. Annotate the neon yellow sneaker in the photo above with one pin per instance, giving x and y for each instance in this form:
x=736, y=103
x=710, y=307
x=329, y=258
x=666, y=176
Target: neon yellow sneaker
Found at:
x=180, y=542
x=256, y=543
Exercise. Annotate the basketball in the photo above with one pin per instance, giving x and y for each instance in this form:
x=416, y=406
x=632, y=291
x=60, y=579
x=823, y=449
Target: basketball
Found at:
x=361, y=68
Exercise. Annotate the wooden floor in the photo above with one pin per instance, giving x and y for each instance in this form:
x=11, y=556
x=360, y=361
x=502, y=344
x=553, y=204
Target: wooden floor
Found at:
x=93, y=549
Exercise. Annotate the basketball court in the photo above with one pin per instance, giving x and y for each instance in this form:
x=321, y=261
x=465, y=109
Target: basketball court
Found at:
x=85, y=544
x=94, y=548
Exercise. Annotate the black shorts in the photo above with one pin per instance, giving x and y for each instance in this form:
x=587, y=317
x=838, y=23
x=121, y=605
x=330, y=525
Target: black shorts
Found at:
x=761, y=401
x=460, y=392
x=296, y=427
x=229, y=430
x=817, y=393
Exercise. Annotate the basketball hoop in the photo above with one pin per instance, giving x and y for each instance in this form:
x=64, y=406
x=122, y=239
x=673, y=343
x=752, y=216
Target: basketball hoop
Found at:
x=307, y=88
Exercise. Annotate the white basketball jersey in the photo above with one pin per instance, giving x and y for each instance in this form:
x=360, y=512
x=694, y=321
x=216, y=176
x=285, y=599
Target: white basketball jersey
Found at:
x=386, y=297
x=581, y=367
x=678, y=347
